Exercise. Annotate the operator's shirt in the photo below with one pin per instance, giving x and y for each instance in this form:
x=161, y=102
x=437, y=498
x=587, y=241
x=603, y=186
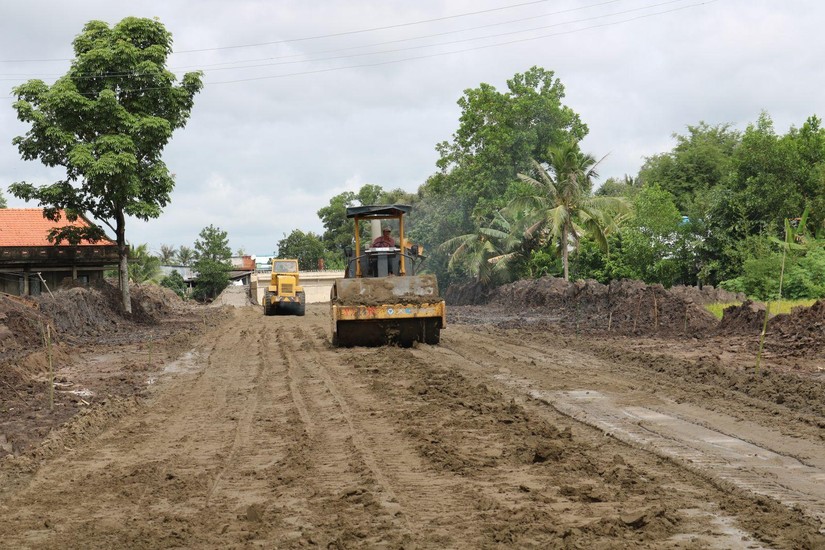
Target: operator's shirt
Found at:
x=383, y=242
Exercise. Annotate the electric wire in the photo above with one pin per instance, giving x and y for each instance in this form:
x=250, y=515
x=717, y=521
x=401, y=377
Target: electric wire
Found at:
x=488, y=46
x=441, y=54
x=447, y=43
x=331, y=35
x=336, y=50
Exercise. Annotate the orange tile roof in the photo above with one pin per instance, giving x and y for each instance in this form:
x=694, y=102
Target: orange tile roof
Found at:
x=28, y=227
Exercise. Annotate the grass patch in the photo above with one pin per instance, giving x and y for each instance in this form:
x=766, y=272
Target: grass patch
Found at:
x=784, y=306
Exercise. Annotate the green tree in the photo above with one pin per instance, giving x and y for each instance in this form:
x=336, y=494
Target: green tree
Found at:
x=212, y=263
x=338, y=228
x=494, y=253
x=651, y=239
x=185, y=256
x=307, y=248
x=2, y=200
x=175, y=282
x=626, y=187
x=700, y=161
x=106, y=122
x=167, y=254
x=499, y=134
x=562, y=203
x=143, y=266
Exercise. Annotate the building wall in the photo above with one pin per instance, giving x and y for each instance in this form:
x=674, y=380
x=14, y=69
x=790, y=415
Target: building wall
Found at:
x=13, y=283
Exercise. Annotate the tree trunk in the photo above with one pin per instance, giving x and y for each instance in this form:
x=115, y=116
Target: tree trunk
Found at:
x=123, y=264
x=564, y=254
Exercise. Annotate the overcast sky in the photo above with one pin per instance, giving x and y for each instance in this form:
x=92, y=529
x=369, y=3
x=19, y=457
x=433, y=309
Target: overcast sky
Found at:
x=304, y=100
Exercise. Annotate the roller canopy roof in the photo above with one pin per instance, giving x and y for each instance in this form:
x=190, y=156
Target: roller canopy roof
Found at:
x=378, y=212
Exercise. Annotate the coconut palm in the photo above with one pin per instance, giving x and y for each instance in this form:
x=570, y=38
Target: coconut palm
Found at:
x=562, y=204
x=487, y=253
x=185, y=256
x=167, y=254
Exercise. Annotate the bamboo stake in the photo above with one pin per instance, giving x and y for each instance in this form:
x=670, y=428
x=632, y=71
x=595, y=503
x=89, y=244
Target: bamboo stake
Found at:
x=51, y=365
x=609, y=320
x=762, y=336
x=655, y=313
x=638, y=310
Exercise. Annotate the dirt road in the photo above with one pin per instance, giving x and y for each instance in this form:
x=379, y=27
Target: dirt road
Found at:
x=261, y=434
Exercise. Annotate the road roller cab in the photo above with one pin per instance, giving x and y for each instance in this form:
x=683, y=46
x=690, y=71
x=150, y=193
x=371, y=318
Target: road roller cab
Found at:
x=381, y=299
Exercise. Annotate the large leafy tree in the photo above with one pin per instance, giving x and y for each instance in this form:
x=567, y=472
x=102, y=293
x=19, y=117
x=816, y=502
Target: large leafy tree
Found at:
x=106, y=122
x=338, y=228
x=212, y=262
x=307, y=248
x=499, y=134
x=701, y=161
x=562, y=202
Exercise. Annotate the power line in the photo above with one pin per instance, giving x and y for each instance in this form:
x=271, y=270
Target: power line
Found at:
x=498, y=35
x=475, y=48
x=330, y=69
x=334, y=50
x=396, y=50
x=331, y=35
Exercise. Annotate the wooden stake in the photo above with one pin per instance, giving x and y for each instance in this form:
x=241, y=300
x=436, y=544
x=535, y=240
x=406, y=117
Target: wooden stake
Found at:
x=762, y=336
x=609, y=320
x=638, y=310
x=51, y=365
x=655, y=313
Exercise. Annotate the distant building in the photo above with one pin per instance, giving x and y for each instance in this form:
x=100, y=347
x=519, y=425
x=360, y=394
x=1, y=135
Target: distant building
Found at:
x=30, y=264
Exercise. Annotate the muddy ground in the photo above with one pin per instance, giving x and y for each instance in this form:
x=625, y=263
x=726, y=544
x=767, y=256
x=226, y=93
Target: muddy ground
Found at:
x=551, y=416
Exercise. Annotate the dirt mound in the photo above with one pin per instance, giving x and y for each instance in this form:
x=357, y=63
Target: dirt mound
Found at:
x=747, y=318
x=21, y=326
x=468, y=294
x=156, y=301
x=806, y=321
x=237, y=296
x=622, y=306
x=708, y=294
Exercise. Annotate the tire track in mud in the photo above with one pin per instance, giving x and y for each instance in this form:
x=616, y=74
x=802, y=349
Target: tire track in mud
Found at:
x=697, y=446
x=243, y=425
x=392, y=461
x=342, y=480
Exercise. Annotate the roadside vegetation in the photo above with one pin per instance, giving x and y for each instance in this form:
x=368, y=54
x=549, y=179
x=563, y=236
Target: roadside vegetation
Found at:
x=515, y=197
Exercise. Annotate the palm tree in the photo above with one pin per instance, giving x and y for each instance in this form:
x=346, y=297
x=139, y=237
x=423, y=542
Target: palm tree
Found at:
x=167, y=254
x=562, y=203
x=142, y=265
x=490, y=252
x=185, y=256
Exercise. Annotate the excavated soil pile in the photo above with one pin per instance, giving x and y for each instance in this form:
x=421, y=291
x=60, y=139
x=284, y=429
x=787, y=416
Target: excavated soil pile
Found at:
x=79, y=321
x=85, y=313
x=801, y=332
x=622, y=306
x=235, y=296
x=796, y=334
x=708, y=294
x=21, y=327
x=747, y=318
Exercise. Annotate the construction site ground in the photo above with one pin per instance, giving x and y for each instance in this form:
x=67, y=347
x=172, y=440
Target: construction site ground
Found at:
x=529, y=426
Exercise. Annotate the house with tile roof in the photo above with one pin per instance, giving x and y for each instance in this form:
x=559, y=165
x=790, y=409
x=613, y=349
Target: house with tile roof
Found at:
x=30, y=264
